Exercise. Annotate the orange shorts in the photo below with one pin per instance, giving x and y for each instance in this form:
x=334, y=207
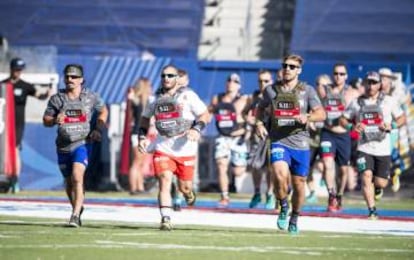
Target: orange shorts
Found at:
x=182, y=167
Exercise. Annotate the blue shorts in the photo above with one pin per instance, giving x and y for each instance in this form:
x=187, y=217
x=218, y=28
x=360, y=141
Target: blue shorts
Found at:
x=66, y=160
x=337, y=146
x=298, y=160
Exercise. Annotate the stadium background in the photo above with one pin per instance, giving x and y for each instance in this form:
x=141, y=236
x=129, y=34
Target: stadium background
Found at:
x=117, y=42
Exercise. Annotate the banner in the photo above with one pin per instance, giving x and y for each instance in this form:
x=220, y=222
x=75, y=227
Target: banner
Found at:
x=126, y=142
x=7, y=131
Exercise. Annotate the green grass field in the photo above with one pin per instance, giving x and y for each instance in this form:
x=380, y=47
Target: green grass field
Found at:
x=40, y=238
x=28, y=238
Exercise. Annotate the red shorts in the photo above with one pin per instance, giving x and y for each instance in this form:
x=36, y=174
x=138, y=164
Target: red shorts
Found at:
x=182, y=167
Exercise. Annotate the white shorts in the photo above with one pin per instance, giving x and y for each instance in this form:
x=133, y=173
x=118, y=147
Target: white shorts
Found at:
x=232, y=148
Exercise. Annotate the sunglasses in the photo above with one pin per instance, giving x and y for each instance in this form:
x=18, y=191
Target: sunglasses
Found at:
x=290, y=66
x=72, y=77
x=372, y=82
x=264, y=80
x=339, y=73
x=168, y=76
x=232, y=80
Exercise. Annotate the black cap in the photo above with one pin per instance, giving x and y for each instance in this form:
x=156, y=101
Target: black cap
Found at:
x=17, y=64
x=73, y=70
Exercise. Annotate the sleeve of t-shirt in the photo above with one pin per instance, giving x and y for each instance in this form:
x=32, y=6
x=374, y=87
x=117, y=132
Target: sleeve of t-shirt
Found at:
x=197, y=105
x=149, y=108
x=313, y=98
x=266, y=100
x=52, y=108
x=396, y=109
x=99, y=103
x=352, y=110
x=30, y=88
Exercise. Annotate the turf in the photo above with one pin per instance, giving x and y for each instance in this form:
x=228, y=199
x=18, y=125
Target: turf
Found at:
x=31, y=238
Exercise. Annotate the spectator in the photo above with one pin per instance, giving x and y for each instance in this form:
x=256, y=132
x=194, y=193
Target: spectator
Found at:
x=21, y=90
x=139, y=96
x=72, y=110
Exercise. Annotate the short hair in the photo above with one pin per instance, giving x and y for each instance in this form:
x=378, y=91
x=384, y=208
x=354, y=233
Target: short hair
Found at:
x=182, y=72
x=294, y=57
x=170, y=66
x=264, y=71
x=340, y=64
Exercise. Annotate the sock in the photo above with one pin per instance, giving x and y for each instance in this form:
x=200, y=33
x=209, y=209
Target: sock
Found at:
x=284, y=204
x=165, y=211
x=373, y=209
x=256, y=190
x=225, y=194
x=294, y=217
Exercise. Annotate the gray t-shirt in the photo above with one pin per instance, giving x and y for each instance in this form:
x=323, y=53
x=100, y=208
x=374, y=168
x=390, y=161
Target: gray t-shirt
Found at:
x=90, y=102
x=308, y=100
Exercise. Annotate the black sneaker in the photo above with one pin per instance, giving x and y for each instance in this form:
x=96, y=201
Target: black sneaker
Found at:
x=74, y=221
x=190, y=198
x=166, y=223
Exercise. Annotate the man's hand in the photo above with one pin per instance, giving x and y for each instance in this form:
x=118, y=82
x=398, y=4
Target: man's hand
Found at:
x=143, y=144
x=60, y=119
x=96, y=135
x=360, y=127
x=302, y=119
x=261, y=131
x=193, y=135
x=385, y=127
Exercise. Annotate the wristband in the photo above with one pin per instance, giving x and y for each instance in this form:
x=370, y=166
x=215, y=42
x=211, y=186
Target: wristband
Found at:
x=199, y=126
x=142, y=131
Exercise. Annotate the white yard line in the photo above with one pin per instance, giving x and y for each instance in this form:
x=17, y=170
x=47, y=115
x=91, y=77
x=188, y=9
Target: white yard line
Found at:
x=150, y=215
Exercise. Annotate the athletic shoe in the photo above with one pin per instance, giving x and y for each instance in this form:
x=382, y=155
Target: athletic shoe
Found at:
x=223, y=203
x=311, y=198
x=378, y=193
x=177, y=204
x=332, y=204
x=396, y=180
x=166, y=223
x=256, y=199
x=282, y=219
x=190, y=198
x=293, y=229
x=74, y=221
x=373, y=215
x=270, y=201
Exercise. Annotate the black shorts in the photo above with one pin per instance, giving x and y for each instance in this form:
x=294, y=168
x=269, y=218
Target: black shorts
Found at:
x=337, y=146
x=379, y=165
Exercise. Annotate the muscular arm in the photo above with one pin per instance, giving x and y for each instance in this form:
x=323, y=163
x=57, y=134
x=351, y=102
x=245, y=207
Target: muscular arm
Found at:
x=317, y=114
x=102, y=118
x=211, y=109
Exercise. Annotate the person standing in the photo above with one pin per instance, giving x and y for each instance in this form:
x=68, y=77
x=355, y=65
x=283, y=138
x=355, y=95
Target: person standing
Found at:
x=373, y=113
x=230, y=144
x=180, y=116
x=72, y=110
x=335, y=147
x=139, y=96
x=21, y=90
x=292, y=104
x=265, y=78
